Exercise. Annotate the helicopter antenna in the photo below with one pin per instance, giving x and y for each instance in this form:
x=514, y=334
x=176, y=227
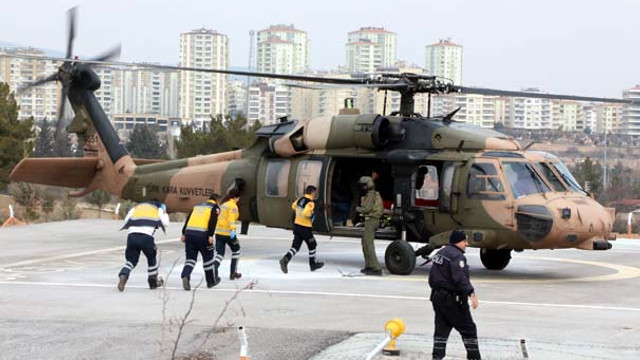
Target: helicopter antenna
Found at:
x=447, y=119
x=384, y=105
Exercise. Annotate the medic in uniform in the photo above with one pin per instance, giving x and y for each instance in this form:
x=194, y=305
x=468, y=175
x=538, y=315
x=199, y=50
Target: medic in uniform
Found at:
x=226, y=233
x=303, y=208
x=142, y=222
x=197, y=234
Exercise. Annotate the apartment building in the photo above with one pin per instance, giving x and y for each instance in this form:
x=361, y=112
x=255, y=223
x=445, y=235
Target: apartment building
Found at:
x=203, y=94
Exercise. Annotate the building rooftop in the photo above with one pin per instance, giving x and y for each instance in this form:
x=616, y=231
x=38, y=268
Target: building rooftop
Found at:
x=372, y=29
x=203, y=31
x=445, y=42
x=282, y=27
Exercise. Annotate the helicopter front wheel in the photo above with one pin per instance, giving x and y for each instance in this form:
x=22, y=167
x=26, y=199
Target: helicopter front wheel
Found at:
x=495, y=259
x=400, y=258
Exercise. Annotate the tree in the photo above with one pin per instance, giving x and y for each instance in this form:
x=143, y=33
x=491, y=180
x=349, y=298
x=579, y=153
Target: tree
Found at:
x=220, y=134
x=144, y=143
x=45, y=141
x=28, y=196
x=48, y=203
x=68, y=208
x=99, y=198
x=15, y=136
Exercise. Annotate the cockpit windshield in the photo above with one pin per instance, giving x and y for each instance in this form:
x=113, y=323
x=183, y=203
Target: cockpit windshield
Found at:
x=546, y=171
x=568, y=178
x=523, y=179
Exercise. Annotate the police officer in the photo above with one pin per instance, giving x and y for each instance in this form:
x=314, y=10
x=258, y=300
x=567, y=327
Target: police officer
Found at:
x=226, y=233
x=450, y=289
x=197, y=234
x=142, y=221
x=371, y=209
x=303, y=208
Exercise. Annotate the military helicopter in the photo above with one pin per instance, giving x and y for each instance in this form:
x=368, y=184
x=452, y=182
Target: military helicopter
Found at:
x=435, y=174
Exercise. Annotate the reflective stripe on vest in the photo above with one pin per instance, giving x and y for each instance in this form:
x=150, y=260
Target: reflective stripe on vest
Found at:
x=145, y=214
x=200, y=216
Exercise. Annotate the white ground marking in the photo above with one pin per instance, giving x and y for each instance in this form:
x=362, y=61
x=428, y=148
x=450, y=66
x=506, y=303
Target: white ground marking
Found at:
x=621, y=271
x=75, y=255
x=332, y=294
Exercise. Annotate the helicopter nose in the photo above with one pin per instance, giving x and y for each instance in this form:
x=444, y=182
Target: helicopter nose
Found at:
x=534, y=222
x=582, y=218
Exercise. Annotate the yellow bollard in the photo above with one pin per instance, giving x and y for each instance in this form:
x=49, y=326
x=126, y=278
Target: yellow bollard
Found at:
x=395, y=328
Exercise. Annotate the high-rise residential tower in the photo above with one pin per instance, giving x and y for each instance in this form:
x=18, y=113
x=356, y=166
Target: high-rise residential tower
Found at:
x=203, y=94
x=370, y=48
x=444, y=59
x=631, y=112
x=41, y=102
x=283, y=49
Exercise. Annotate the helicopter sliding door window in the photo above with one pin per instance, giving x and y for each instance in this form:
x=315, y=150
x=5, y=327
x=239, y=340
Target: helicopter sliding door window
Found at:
x=425, y=186
x=308, y=174
x=277, y=179
x=484, y=183
x=448, y=170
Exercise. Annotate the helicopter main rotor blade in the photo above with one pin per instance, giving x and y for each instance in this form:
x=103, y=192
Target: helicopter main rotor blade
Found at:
x=345, y=86
x=112, y=53
x=494, y=92
x=63, y=102
x=40, y=81
x=71, y=14
x=319, y=79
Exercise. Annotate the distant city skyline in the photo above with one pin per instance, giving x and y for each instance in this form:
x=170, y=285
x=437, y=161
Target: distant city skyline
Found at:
x=585, y=48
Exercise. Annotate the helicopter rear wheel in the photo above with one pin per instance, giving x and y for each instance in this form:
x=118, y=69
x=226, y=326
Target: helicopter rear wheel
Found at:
x=400, y=258
x=495, y=259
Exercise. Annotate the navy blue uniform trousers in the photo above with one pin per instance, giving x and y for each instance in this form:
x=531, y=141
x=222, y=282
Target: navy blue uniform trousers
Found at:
x=193, y=246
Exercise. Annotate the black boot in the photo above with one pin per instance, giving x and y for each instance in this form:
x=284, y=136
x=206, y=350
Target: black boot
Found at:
x=155, y=282
x=316, y=265
x=235, y=275
x=122, y=282
x=283, y=265
x=186, y=284
x=216, y=281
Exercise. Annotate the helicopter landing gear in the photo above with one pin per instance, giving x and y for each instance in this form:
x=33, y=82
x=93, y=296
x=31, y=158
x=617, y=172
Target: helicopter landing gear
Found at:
x=400, y=258
x=495, y=259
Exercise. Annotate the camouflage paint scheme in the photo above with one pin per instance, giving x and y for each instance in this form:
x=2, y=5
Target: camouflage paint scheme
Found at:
x=398, y=143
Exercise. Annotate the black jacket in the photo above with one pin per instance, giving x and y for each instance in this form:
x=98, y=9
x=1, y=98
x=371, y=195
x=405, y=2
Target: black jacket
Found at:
x=450, y=271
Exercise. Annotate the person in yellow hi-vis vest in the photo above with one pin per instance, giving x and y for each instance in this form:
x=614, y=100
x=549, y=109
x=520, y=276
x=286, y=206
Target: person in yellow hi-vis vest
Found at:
x=142, y=222
x=197, y=234
x=302, y=225
x=226, y=233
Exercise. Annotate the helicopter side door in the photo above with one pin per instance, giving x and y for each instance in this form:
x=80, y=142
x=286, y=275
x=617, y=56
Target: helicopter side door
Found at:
x=485, y=202
x=283, y=181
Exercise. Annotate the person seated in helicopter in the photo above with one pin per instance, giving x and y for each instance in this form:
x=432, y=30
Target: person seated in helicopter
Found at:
x=524, y=185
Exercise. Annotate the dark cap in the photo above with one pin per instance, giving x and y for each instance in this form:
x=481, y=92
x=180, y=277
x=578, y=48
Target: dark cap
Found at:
x=457, y=236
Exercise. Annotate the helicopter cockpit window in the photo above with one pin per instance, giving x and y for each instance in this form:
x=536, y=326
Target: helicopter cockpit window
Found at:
x=523, y=179
x=484, y=183
x=545, y=170
x=308, y=174
x=425, y=186
x=568, y=178
x=277, y=179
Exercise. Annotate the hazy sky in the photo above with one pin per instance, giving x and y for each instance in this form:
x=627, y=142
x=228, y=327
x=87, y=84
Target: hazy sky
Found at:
x=575, y=47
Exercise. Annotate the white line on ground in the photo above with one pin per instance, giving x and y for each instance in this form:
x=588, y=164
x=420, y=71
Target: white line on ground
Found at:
x=334, y=294
x=74, y=255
